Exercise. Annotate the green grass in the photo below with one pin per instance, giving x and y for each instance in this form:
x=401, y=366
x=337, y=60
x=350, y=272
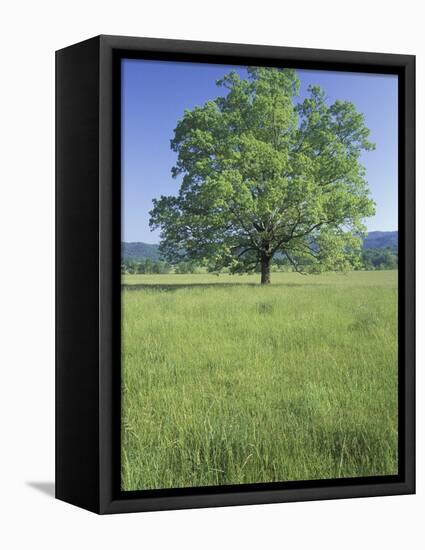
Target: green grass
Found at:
x=228, y=382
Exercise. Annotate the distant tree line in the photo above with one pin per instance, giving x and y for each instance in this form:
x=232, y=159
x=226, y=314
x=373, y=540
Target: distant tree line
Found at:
x=145, y=266
x=371, y=259
x=150, y=266
x=379, y=258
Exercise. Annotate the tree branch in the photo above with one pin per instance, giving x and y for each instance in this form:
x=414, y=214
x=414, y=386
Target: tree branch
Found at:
x=294, y=265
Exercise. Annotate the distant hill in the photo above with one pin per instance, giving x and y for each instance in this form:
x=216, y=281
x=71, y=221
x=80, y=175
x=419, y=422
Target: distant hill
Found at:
x=381, y=239
x=141, y=251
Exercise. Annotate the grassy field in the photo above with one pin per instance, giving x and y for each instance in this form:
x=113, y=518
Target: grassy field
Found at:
x=228, y=382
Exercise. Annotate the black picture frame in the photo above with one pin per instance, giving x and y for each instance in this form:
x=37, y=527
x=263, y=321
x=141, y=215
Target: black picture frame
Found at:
x=88, y=235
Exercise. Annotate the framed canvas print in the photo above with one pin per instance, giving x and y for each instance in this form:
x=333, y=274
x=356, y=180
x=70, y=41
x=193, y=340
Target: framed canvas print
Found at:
x=235, y=274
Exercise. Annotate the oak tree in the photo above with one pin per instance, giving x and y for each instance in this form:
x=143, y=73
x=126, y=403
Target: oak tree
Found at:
x=264, y=174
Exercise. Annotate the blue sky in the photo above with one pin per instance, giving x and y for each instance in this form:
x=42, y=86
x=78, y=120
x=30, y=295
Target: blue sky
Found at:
x=156, y=93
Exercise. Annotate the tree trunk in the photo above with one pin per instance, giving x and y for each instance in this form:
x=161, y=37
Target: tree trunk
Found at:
x=265, y=270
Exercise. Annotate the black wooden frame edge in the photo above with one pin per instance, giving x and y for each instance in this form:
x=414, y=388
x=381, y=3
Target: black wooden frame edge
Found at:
x=237, y=50
x=101, y=449
x=77, y=413
x=407, y=195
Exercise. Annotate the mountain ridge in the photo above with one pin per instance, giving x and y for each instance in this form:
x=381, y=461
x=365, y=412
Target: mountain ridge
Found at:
x=381, y=239
x=140, y=250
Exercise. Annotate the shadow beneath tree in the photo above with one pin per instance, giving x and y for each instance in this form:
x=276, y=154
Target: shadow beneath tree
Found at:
x=182, y=286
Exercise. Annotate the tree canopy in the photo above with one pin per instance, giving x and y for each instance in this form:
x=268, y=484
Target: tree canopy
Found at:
x=262, y=173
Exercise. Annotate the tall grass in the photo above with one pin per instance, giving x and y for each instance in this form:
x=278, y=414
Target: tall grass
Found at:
x=228, y=382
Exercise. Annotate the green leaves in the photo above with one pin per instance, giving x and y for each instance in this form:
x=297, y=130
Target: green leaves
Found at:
x=263, y=174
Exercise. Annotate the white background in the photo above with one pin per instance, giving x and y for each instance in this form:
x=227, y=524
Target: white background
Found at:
x=30, y=32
